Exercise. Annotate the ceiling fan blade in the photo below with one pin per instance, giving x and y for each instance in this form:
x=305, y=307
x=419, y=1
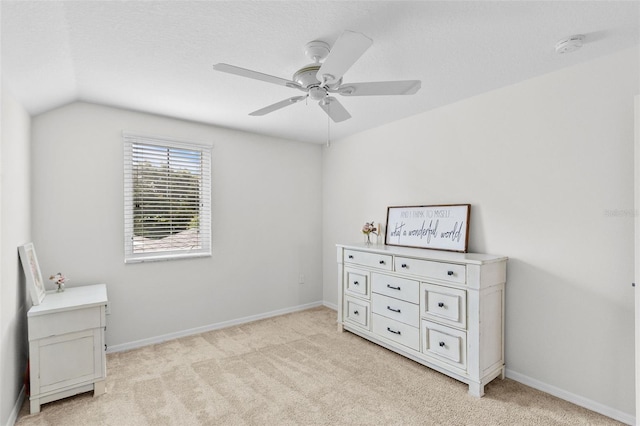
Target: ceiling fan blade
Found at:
x=242, y=72
x=380, y=88
x=344, y=53
x=278, y=105
x=334, y=109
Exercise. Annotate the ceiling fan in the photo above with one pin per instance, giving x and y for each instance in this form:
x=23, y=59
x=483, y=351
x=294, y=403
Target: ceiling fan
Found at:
x=320, y=80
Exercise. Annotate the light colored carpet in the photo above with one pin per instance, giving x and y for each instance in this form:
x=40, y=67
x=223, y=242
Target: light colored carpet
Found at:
x=294, y=369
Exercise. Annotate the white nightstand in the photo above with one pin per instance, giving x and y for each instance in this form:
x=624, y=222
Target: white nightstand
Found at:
x=67, y=344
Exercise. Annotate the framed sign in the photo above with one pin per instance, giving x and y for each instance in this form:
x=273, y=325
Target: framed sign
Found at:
x=444, y=227
x=31, y=269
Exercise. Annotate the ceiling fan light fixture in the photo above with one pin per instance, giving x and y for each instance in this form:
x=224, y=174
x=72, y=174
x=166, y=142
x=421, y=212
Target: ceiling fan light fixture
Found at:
x=317, y=93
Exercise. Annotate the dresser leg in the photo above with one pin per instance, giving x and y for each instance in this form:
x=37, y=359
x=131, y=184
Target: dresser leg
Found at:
x=476, y=389
x=340, y=328
x=34, y=405
x=99, y=388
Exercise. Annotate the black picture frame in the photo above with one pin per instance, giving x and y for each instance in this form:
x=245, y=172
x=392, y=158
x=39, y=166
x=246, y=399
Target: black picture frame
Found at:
x=437, y=227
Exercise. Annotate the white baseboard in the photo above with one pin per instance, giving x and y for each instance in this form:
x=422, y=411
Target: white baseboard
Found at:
x=163, y=338
x=330, y=305
x=13, y=417
x=573, y=398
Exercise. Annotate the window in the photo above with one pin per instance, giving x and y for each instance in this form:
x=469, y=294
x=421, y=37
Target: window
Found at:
x=167, y=199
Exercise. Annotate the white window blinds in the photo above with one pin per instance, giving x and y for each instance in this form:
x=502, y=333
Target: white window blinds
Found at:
x=167, y=199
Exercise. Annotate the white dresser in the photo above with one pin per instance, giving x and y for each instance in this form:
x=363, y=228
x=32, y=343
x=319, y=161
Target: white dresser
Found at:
x=442, y=309
x=67, y=344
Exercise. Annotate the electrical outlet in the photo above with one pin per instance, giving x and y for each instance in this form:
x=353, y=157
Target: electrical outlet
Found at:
x=301, y=279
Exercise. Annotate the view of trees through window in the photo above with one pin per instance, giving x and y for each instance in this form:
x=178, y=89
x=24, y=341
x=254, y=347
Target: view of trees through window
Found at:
x=166, y=198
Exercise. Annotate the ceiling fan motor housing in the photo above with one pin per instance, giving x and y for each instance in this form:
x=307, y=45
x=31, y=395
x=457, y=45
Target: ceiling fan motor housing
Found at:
x=306, y=76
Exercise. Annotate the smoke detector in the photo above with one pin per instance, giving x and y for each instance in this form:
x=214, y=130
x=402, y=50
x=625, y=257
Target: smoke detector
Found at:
x=570, y=44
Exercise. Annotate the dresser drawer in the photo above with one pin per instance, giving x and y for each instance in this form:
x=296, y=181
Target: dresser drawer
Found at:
x=400, y=288
x=396, y=331
x=57, y=323
x=373, y=260
x=444, y=304
x=357, y=282
x=429, y=269
x=356, y=311
x=445, y=344
x=398, y=310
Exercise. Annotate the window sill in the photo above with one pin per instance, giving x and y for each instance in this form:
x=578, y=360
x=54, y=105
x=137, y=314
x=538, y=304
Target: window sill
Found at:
x=165, y=257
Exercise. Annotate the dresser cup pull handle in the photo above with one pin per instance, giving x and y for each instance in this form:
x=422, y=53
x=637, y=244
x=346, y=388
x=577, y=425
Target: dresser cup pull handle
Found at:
x=393, y=310
x=356, y=313
x=392, y=287
x=449, y=273
x=440, y=305
x=393, y=331
x=404, y=265
x=382, y=262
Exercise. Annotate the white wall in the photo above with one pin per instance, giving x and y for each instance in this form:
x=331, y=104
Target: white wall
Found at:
x=547, y=166
x=14, y=231
x=267, y=206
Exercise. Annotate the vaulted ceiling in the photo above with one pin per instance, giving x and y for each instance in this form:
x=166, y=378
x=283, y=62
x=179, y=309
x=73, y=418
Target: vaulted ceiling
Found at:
x=158, y=56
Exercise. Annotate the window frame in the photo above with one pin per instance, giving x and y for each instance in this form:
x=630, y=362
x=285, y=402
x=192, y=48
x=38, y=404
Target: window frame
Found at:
x=204, y=216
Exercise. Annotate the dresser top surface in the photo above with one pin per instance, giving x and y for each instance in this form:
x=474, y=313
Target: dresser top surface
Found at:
x=437, y=255
x=71, y=298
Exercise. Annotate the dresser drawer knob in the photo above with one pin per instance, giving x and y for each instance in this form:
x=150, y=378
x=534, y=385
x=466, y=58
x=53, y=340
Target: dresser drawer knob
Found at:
x=404, y=265
x=449, y=273
x=440, y=305
x=393, y=310
x=356, y=313
x=393, y=331
x=382, y=262
x=392, y=287
x=350, y=256
x=441, y=344
x=356, y=283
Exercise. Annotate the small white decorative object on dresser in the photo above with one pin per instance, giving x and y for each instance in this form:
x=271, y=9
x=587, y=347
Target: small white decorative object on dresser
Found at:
x=67, y=344
x=442, y=309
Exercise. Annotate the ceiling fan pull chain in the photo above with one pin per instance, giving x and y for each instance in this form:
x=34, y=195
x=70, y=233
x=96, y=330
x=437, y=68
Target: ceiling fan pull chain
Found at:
x=328, y=125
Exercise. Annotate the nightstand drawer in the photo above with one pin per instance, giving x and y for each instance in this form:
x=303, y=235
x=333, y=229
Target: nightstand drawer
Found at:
x=372, y=260
x=356, y=311
x=400, y=288
x=429, y=269
x=396, y=331
x=398, y=310
x=445, y=344
x=63, y=322
x=444, y=304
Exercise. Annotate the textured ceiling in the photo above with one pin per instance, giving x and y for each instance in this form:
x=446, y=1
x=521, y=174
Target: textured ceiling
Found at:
x=157, y=56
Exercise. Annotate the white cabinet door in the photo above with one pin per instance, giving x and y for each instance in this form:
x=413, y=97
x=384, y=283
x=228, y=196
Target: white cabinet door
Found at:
x=68, y=359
